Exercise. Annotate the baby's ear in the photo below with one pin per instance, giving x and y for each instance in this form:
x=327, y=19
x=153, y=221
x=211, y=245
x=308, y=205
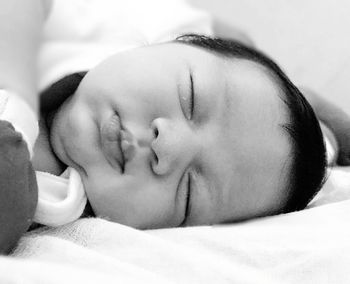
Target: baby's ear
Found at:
x=18, y=187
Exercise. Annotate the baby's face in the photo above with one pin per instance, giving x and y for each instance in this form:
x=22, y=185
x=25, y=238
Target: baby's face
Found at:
x=201, y=127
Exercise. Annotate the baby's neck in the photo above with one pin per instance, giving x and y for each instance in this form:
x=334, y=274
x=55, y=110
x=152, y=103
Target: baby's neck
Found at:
x=44, y=158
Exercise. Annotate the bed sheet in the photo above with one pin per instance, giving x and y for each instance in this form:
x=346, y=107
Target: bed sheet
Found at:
x=310, y=246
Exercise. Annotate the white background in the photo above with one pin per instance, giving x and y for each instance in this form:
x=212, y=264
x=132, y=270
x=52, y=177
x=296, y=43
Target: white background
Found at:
x=310, y=39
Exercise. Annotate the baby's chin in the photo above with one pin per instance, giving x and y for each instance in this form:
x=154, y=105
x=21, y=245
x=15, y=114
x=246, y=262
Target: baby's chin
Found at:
x=68, y=149
x=59, y=152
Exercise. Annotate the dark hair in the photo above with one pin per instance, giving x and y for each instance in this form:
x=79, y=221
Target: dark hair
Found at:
x=308, y=161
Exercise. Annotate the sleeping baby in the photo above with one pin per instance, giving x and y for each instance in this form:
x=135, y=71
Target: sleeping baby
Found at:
x=182, y=131
x=190, y=132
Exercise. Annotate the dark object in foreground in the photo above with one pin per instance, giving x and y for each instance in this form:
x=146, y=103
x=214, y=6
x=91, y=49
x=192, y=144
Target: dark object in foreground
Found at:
x=18, y=187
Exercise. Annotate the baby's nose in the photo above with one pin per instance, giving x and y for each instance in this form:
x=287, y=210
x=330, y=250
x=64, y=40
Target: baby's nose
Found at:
x=174, y=146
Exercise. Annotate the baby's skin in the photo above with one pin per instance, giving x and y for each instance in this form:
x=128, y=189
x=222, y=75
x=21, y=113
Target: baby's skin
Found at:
x=172, y=135
x=200, y=144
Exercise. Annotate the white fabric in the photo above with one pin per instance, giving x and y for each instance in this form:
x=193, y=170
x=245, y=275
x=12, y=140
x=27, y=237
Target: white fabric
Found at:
x=61, y=199
x=79, y=34
x=337, y=188
x=311, y=246
x=15, y=110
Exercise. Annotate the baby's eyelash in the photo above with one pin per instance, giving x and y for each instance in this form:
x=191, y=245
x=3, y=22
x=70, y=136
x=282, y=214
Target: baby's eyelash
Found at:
x=187, y=198
x=192, y=96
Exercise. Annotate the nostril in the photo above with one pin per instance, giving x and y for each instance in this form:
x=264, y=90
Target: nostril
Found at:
x=155, y=132
x=154, y=162
x=155, y=158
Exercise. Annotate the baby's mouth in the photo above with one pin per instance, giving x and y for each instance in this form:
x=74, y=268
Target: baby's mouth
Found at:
x=110, y=132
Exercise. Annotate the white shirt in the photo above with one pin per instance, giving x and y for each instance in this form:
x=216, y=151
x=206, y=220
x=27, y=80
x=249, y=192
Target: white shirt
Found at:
x=79, y=34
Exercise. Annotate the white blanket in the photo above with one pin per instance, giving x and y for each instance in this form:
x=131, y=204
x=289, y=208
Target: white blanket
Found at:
x=310, y=246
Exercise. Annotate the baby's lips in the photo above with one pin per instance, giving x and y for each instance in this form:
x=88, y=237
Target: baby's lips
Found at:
x=110, y=141
x=111, y=129
x=127, y=145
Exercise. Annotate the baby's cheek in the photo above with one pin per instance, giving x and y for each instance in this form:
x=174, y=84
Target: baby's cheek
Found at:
x=107, y=192
x=125, y=199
